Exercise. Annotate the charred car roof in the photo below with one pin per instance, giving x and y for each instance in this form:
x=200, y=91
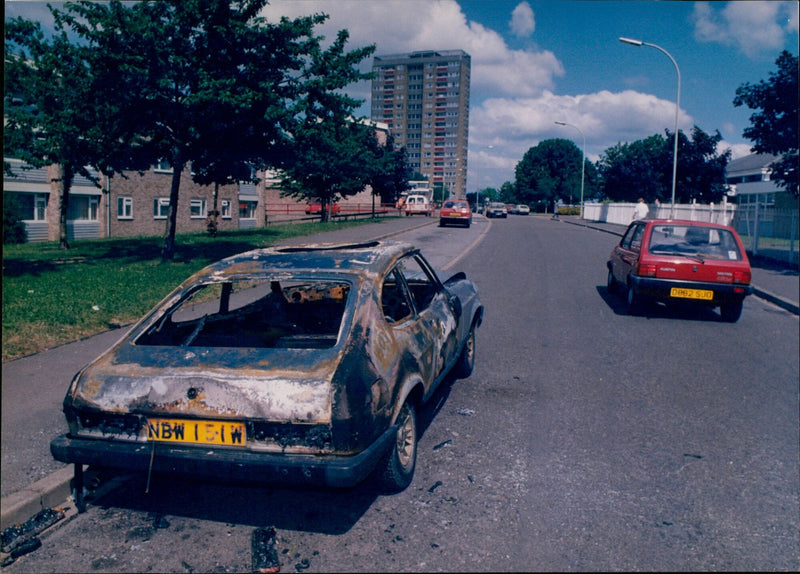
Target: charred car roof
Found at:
x=361, y=258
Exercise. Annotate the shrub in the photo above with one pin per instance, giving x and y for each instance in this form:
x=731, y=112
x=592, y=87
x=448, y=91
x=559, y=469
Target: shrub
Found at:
x=13, y=227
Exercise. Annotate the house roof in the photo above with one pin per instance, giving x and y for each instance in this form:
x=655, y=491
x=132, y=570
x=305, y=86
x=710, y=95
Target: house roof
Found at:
x=752, y=163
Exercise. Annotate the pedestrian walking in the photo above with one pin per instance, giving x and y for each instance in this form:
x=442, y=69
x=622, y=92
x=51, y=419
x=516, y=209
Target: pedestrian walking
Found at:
x=641, y=210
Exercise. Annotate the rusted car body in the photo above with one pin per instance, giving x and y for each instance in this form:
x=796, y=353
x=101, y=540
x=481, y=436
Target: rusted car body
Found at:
x=292, y=365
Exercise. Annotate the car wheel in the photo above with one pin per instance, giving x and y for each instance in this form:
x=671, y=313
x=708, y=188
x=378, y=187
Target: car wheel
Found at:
x=730, y=312
x=396, y=469
x=466, y=360
x=612, y=284
x=633, y=301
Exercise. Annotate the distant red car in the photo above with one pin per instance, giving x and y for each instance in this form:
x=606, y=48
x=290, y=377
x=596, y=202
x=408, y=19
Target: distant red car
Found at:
x=316, y=208
x=689, y=261
x=456, y=212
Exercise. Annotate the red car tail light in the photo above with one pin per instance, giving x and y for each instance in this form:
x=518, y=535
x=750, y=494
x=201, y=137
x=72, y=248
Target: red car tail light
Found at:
x=647, y=270
x=742, y=277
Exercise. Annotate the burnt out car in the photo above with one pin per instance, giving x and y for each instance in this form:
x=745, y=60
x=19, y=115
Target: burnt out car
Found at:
x=293, y=365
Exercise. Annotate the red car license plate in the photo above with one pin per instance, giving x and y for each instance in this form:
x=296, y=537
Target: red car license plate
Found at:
x=682, y=293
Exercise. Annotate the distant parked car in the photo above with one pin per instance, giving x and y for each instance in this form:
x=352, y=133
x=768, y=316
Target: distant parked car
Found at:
x=496, y=209
x=316, y=208
x=456, y=212
x=522, y=209
x=681, y=261
x=296, y=365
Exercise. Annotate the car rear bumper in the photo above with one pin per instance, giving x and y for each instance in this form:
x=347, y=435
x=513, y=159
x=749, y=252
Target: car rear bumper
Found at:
x=455, y=220
x=661, y=288
x=224, y=464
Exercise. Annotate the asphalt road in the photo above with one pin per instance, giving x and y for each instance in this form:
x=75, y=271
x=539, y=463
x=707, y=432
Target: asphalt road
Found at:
x=585, y=439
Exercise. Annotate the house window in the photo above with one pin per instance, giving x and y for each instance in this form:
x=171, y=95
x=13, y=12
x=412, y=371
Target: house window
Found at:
x=225, y=209
x=29, y=206
x=160, y=207
x=197, y=208
x=124, y=208
x=83, y=208
x=247, y=209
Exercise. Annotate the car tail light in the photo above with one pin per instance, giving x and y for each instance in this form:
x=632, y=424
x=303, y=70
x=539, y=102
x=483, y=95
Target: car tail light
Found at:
x=647, y=270
x=742, y=277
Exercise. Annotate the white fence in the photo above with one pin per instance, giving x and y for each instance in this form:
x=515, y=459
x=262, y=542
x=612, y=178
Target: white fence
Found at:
x=622, y=213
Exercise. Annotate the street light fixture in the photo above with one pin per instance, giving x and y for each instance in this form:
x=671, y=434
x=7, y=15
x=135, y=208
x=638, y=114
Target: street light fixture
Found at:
x=583, y=158
x=677, y=107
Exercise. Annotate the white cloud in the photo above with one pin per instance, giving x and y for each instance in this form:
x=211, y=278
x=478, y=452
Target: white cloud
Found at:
x=605, y=118
x=753, y=27
x=737, y=150
x=522, y=22
x=397, y=26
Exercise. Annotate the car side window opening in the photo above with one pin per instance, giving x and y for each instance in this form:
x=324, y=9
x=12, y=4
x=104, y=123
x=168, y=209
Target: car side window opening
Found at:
x=420, y=283
x=633, y=238
x=395, y=299
x=258, y=313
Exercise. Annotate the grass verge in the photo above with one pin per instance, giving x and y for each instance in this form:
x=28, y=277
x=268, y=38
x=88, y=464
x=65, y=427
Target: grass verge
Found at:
x=52, y=296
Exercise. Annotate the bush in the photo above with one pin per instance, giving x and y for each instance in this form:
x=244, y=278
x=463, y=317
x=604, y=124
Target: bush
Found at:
x=13, y=227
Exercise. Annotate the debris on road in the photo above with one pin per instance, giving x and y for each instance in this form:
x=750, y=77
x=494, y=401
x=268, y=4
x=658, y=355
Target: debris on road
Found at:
x=265, y=557
x=21, y=539
x=443, y=444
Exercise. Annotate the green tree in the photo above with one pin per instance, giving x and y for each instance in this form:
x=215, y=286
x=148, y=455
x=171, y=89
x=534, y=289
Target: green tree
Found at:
x=205, y=84
x=51, y=113
x=637, y=169
x=508, y=193
x=774, y=128
x=328, y=143
x=701, y=170
x=644, y=169
x=390, y=172
x=547, y=171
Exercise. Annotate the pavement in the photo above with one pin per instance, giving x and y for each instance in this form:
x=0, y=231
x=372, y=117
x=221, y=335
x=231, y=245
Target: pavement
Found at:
x=773, y=281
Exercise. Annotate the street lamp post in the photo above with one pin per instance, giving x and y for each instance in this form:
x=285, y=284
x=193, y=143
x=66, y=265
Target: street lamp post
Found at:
x=677, y=107
x=583, y=157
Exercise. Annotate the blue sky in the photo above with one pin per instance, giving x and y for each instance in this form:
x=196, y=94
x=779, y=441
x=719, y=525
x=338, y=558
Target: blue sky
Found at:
x=534, y=63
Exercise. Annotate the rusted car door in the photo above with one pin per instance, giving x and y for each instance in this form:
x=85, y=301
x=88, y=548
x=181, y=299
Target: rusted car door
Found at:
x=435, y=313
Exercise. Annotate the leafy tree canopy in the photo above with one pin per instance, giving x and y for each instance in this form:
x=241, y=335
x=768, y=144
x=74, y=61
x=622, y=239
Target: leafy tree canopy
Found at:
x=201, y=83
x=644, y=169
x=547, y=171
x=774, y=128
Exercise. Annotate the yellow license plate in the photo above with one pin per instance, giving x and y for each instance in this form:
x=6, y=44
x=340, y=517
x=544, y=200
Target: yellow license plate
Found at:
x=681, y=293
x=223, y=433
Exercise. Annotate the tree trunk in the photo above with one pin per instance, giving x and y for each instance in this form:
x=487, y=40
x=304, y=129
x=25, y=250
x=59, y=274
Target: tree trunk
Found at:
x=324, y=208
x=67, y=175
x=168, y=248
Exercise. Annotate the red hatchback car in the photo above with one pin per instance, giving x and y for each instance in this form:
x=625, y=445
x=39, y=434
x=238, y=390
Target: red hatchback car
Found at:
x=688, y=261
x=456, y=212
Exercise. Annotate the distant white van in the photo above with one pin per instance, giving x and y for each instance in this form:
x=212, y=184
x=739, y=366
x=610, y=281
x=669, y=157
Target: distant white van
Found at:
x=418, y=204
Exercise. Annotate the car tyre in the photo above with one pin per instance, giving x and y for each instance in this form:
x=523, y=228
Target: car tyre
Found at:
x=633, y=301
x=730, y=312
x=612, y=283
x=466, y=360
x=396, y=469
